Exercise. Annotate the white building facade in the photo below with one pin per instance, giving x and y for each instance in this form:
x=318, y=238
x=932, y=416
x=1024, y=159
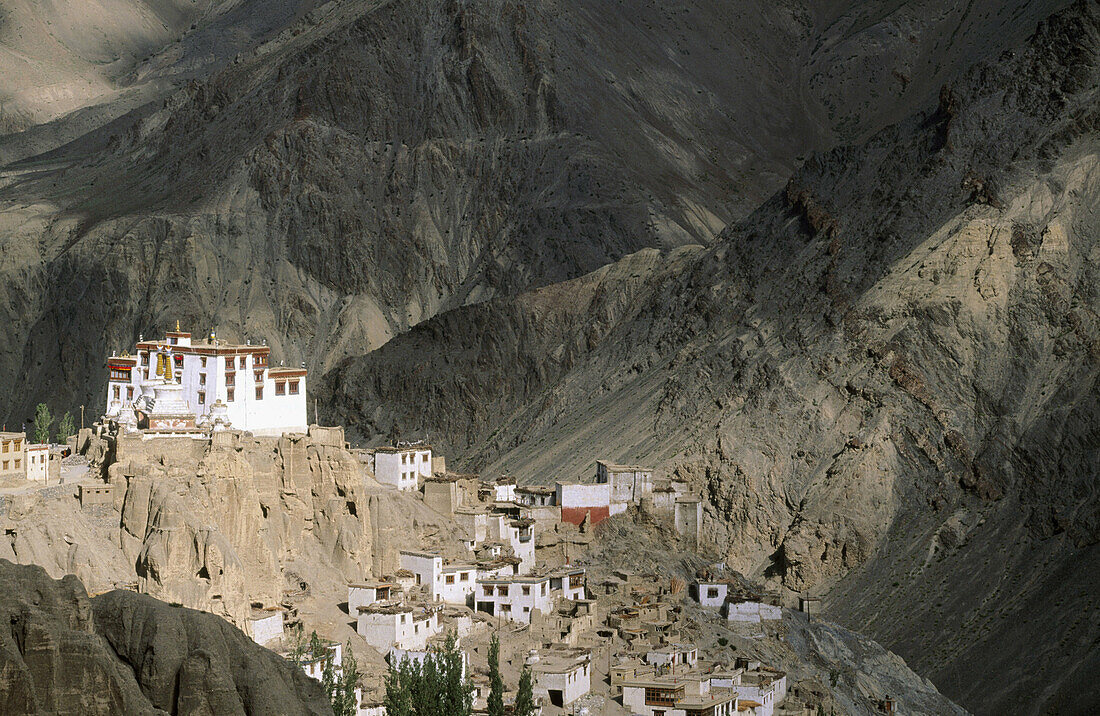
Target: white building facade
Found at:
x=266, y=625
x=364, y=594
x=402, y=467
x=711, y=595
x=407, y=628
x=37, y=460
x=561, y=678
x=262, y=399
x=752, y=612
x=514, y=598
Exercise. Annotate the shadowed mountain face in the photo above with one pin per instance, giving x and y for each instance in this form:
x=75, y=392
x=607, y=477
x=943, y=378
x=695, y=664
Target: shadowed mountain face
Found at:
x=883, y=380
x=376, y=163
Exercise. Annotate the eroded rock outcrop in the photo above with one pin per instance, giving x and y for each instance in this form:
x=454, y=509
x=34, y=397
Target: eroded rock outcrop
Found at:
x=212, y=525
x=125, y=653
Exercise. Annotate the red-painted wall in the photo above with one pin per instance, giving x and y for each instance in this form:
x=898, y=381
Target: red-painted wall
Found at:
x=576, y=515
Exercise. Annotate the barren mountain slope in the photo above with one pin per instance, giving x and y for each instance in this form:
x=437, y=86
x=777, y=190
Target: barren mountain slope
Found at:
x=376, y=163
x=885, y=376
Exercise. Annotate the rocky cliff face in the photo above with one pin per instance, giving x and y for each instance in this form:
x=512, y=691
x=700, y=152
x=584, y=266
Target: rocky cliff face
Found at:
x=883, y=379
x=128, y=653
x=213, y=527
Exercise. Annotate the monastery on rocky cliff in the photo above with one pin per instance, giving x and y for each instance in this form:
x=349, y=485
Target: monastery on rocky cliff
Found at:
x=178, y=385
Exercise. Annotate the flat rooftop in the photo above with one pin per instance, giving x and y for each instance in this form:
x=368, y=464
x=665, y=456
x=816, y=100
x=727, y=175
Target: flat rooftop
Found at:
x=615, y=467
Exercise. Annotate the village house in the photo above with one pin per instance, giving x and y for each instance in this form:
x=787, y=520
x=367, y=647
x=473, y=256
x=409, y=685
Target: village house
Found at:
x=450, y=583
x=314, y=666
x=629, y=670
x=256, y=397
x=403, y=466
x=480, y=524
x=448, y=492
x=688, y=518
x=561, y=675
x=502, y=489
x=568, y=583
x=520, y=535
x=12, y=455
x=364, y=594
x=458, y=584
x=497, y=568
x=750, y=611
x=535, y=496
x=37, y=461
x=404, y=626
x=710, y=593
x=757, y=683
x=579, y=502
x=266, y=625
x=678, y=696
x=514, y=598
x=568, y=624
x=628, y=483
x=673, y=656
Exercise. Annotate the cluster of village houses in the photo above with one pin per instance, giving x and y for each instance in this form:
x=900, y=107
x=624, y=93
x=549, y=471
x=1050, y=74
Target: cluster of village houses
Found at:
x=179, y=386
x=567, y=622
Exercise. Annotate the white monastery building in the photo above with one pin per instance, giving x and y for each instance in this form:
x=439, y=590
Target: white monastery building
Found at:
x=179, y=383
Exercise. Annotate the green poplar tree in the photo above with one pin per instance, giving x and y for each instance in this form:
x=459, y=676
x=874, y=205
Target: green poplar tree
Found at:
x=398, y=698
x=525, y=696
x=432, y=687
x=456, y=692
x=43, y=421
x=65, y=428
x=342, y=693
x=496, y=683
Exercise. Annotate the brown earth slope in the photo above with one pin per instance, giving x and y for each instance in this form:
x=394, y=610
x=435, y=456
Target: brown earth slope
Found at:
x=884, y=379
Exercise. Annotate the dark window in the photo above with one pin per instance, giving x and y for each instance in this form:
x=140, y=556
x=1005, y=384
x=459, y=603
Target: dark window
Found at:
x=293, y=387
x=230, y=378
x=259, y=392
x=229, y=394
x=202, y=397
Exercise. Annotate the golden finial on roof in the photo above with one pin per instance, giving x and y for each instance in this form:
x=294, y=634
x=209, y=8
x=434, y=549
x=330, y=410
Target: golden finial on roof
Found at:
x=177, y=325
